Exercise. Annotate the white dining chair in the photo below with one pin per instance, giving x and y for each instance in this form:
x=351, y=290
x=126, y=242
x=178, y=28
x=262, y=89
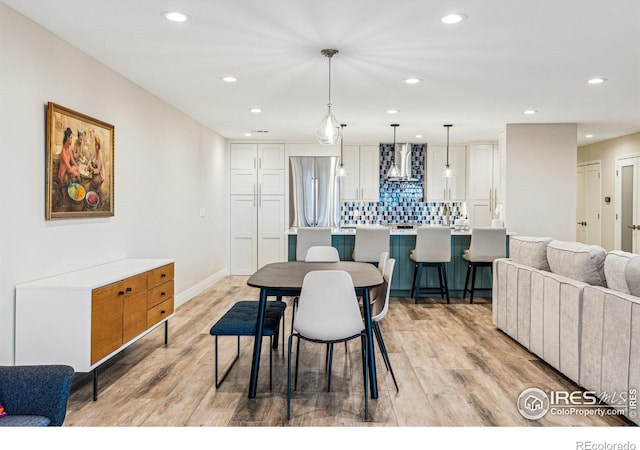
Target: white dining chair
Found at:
x=384, y=256
x=328, y=313
x=322, y=253
x=487, y=244
x=379, y=311
x=309, y=237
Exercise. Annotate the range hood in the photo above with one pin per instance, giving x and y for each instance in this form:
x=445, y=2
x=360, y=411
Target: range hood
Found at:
x=402, y=158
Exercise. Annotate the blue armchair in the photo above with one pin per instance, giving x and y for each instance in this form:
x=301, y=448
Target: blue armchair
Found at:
x=35, y=395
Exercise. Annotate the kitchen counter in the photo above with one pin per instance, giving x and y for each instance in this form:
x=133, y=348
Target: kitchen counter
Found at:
x=392, y=230
x=402, y=241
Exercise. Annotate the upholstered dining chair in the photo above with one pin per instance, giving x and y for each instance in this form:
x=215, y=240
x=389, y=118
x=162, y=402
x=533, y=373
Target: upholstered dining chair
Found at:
x=433, y=249
x=370, y=243
x=322, y=253
x=384, y=256
x=309, y=237
x=379, y=311
x=487, y=244
x=328, y=313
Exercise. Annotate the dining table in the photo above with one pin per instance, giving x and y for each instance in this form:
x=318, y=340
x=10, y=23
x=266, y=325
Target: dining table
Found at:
x=284, y=279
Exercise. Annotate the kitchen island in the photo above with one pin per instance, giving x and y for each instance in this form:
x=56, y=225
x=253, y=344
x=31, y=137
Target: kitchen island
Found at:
x=402, y=241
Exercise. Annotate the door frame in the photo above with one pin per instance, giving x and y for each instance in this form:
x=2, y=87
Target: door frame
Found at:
x=597, y=163
x=617, y=237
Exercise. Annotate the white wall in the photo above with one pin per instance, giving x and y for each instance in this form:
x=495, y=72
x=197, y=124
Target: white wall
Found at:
x=167, y=167
x=541, y=179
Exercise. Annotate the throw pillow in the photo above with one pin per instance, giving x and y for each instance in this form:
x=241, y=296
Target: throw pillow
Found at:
x=615, y=265
x=2, y=411
x=529, y=251
x=577, y=261
x=632, y=275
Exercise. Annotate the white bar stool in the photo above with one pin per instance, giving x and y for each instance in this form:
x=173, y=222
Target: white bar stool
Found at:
x=433, y=249
x=371, y=242
x=487, y=244
x=310, y=237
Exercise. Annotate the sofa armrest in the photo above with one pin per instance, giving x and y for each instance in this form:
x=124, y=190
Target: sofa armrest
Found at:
x=36, y=390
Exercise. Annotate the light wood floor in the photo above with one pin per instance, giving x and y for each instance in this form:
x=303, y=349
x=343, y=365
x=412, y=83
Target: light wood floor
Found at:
x=453, y=368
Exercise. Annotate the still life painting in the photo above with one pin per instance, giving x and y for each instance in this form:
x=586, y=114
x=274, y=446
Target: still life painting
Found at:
x=79, y=165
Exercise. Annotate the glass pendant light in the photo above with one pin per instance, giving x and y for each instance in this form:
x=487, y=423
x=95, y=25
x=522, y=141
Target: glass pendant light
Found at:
x=329, y=129
x=447, y=173
x=393, y=170
x=342, y=170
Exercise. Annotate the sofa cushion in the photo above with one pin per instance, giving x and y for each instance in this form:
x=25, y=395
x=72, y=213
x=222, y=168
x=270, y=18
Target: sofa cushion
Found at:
x=615, y=265
x=530, y=251
x=632, y=275
x=577, y=261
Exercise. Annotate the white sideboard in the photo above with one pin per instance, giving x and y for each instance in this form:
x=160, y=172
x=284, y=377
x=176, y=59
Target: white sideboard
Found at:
x=85, y=317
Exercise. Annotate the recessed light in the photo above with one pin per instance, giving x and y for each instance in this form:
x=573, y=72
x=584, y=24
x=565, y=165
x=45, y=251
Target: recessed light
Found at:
x=229, y=79
x=418, y=136
x=588, y=136
x=392, y=111
x=247, y=134
x=529, y=111
x=175, y=16
x=597, y=80
x=453, y=18
x=412, y=80
x=255, y=110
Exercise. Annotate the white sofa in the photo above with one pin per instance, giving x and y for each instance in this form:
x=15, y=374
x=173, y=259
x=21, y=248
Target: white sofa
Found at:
x=575, y=306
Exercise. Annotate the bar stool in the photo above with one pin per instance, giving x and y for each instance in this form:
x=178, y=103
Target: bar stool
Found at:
x=371, y=242
x=433, y=249
x=310, y=237
x=487, y=244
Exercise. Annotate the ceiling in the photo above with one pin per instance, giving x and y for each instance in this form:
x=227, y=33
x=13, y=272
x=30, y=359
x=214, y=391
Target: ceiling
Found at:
x=478, y=75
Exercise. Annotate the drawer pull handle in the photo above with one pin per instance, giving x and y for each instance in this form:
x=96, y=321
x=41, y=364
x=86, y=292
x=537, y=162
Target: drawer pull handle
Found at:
x=162, y=275
x=163, y=294
x=128, y=289
x=162, y=312
x=120, y=292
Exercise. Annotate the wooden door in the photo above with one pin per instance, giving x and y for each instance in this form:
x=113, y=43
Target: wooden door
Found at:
x=107, y=305
x=134, y=316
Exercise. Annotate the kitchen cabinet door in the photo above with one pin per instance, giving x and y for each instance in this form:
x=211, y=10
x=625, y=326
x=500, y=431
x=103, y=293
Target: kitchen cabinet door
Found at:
x=362, y=183
x=438, y=187
x=244, y=240
x=270, y=230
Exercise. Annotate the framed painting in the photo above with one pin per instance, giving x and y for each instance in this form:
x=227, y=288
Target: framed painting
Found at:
x=80, y=156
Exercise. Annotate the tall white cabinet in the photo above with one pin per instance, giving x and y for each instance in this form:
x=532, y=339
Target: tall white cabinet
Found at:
x=485, y=183
x=438, y=187
x=362, y=182
x=257, y=176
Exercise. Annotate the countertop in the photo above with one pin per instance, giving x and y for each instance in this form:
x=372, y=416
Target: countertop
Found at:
x=393, y=231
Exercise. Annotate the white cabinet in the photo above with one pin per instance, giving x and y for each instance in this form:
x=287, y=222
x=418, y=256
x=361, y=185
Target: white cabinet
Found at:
x=257, y=206
x=83, y=318
x=362, y=182
x=438, y=187
x=485, y=185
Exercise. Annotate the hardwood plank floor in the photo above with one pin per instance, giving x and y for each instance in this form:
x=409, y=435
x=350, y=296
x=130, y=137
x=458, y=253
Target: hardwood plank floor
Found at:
x=452, y=366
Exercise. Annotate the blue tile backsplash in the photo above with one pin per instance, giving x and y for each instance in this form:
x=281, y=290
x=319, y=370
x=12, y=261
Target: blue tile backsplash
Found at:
x=400, y=202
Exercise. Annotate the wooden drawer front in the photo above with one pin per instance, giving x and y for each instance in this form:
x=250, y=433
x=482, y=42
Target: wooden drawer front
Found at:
x=159, y=294
x=159, y=312
x=160, y=275
x=106, y=320
x=136, y=284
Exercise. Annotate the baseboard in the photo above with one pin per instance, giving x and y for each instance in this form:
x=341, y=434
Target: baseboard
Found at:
x=184, y=296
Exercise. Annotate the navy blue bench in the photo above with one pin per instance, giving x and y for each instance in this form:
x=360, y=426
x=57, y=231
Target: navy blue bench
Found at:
x=240, y=320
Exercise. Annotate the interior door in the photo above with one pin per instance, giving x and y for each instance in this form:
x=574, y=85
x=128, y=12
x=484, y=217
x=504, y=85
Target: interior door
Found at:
x=626, y=233
x=588, y=206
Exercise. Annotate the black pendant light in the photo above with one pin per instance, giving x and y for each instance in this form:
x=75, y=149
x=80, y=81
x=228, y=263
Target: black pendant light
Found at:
x=393, y=170
x=447, y=173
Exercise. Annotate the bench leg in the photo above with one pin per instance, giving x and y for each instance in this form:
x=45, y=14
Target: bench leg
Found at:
x=218, y=383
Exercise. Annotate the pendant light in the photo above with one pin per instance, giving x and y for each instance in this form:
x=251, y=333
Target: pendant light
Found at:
x=393, y=170
x=329, y=129
x=447, y=173
x=342, y=170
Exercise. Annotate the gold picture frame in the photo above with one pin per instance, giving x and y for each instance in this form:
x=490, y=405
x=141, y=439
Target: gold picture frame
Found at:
x=79, y=165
